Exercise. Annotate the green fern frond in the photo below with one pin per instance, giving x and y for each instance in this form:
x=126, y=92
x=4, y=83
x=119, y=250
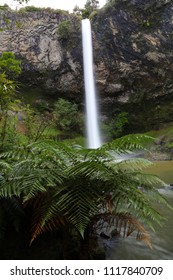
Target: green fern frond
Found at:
x=74, y=207
x=59, y=151
x=46, y=217
x=127, y=143
x=134, y=164
x=4, y=166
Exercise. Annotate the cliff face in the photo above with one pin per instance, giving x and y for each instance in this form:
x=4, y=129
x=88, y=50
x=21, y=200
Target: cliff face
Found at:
x=48, y=56
x=133, y=43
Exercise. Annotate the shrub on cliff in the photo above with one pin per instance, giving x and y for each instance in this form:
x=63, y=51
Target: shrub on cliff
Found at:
x=10, y=65
x=65, y=29
x=67, y=116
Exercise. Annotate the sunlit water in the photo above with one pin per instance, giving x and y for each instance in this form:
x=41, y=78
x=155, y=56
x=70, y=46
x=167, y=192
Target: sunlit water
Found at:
x=93, y=134
x=162, y=239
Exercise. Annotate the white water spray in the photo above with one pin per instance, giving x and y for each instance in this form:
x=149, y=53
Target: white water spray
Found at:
x=93, y=135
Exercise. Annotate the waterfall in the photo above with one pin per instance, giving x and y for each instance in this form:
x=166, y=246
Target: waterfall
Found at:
x=93, y=134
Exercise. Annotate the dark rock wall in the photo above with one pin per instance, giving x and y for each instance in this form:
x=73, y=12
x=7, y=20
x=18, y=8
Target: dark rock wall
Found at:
x=134, y=42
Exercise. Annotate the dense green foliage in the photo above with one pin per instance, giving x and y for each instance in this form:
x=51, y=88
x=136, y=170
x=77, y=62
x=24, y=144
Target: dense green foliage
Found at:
x=90, y=7
x=116, y=127
x=65, y=29
x=10, y=65
x=120, y=122
x=67, y=116
x=68, y=32
x=33, y=9
x=9, y=70
x=7, y=90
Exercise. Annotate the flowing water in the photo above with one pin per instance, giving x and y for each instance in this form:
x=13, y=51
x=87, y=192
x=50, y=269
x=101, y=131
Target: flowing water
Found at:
x=162, y=239
x=93, y=134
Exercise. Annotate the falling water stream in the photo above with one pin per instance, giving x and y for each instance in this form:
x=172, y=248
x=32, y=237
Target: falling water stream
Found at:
x=93, y=134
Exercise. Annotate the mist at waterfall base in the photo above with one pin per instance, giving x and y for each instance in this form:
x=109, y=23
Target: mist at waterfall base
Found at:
x=92, y=127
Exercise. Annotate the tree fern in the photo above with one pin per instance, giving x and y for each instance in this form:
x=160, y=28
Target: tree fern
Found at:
x=73, y=185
